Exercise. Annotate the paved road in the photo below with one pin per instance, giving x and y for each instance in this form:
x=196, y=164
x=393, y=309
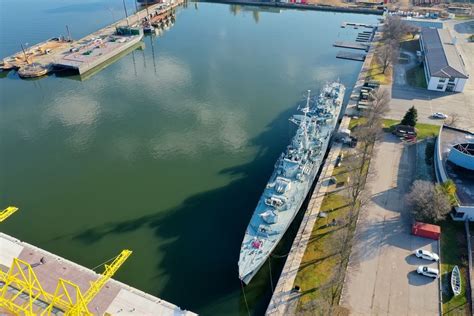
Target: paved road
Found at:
x=428, y=102
x=380, y=277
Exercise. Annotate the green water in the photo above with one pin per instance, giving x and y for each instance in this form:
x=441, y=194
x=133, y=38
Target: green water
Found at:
x=167, y=150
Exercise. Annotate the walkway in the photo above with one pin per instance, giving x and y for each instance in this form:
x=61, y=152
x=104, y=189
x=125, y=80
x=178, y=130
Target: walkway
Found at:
x=381, y=277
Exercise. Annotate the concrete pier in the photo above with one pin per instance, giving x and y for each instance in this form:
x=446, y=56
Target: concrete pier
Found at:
x=352, y=45
x=350, y=56
x=90, y=51
x=115, y=298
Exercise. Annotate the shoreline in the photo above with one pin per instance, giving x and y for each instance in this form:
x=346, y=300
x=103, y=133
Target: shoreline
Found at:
x=313, y=7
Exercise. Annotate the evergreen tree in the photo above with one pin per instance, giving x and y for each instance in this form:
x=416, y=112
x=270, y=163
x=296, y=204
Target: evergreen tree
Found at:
x=410, y=118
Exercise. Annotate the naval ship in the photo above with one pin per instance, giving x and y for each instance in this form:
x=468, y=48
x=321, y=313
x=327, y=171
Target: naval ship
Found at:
x=292, y=178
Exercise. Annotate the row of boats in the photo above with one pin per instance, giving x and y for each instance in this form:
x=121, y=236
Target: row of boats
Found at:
x=293, y=176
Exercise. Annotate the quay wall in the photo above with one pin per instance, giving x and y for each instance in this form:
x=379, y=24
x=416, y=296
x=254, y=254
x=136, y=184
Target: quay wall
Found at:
x=313, y=7
x=284, y=298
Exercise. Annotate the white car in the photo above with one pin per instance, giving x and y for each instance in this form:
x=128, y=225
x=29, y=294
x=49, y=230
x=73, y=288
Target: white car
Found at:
x=427, y=271
x=439, y=115
x=425, y=254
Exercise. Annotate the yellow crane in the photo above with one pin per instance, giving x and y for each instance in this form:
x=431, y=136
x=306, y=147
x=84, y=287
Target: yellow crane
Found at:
x=22, y=292
x=7, y=212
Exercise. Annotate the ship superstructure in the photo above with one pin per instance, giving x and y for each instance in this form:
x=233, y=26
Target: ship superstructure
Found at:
x=292, y=178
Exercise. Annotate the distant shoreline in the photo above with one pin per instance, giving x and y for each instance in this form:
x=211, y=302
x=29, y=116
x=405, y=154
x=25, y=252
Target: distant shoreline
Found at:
x=314, y=7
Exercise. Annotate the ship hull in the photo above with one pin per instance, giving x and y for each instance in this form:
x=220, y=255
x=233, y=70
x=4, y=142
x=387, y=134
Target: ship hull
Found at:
x=251, y=260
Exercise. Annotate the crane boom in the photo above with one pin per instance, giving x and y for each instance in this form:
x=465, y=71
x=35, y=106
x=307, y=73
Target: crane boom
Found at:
x=97, y=285
x=7, y=212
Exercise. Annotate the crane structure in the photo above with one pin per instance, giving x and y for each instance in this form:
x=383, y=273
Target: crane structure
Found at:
x=22, y=292
x=7, y=212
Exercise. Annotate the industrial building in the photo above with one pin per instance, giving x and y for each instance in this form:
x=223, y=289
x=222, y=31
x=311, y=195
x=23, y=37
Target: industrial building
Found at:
x=444, y=67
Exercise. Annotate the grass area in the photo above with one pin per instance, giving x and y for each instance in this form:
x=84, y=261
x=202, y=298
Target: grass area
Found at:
x=416, y=77
x=375, y=72
x=320, y=258
x=356, y=121
x=424, y=130
x=453, y=252
x=463, y=17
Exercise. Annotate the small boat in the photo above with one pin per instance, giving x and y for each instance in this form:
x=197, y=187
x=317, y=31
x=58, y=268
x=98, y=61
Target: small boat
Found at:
x=456, y=281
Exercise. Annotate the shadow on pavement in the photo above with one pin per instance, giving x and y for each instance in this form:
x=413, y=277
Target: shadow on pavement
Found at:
x=418, y=280
x=415, y=261
x=465, y=27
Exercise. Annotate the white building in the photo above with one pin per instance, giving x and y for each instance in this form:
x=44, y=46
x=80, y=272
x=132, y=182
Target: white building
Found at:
x=444, y=67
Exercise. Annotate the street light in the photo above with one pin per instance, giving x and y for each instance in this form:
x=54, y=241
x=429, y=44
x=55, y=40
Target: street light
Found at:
x=24, y=52
x=112, y=13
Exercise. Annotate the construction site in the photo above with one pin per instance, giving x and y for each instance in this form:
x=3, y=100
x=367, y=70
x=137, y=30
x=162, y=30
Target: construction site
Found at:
x=34, y=281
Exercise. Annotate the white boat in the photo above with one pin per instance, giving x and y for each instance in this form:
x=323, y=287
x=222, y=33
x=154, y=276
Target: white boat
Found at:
x=456, y=281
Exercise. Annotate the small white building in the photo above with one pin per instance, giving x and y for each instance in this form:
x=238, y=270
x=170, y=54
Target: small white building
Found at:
x=444, y=67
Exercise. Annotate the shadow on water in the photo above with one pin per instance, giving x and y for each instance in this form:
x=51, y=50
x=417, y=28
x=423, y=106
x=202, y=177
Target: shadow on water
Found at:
x=209, y=242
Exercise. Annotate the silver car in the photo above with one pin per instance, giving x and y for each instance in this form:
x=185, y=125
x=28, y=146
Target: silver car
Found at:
x=439, y=115
x=427, y=255
x=427, y=271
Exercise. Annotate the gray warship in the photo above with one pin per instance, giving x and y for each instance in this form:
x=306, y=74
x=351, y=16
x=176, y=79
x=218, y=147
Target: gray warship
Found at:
x=292, y=178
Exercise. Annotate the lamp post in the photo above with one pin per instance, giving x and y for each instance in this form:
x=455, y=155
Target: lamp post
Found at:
x=24, y=52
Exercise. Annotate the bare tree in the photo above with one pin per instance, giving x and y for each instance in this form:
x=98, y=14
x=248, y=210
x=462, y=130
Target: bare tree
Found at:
x=452, y=120
x=428, y=202
x=387, y=53
x=380, y=101
x=395, y=28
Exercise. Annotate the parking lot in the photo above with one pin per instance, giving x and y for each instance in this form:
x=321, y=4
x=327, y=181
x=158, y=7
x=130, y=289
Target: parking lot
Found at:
x=381, y=277
x=427, y=102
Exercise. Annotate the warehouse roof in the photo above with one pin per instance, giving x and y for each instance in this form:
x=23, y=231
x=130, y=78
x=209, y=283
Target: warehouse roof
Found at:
x=441, y=54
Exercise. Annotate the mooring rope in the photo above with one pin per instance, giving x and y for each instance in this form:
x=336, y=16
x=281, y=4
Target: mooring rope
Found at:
x=270, y=271
x=104, y=263
x=279, y=256
x=245, y=297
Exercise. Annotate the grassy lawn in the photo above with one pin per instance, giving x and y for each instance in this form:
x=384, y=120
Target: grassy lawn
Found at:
x=424, y=130
x=375, y=72
x=320, y=259
x=416, y=77
x=453, y=252
x=463, y=17
x=356, y=121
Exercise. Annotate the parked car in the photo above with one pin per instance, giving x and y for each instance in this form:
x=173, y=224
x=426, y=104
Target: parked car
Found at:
x=427, y=271
x=439, y=115
x=427, y=255
x=339, y=160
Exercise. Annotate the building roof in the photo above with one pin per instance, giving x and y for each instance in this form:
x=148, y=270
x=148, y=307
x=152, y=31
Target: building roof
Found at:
x=464, y=178
x=441, y=54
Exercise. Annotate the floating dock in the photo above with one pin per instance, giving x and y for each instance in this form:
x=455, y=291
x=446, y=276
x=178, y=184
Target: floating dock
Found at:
x=350, y=56
x=357, y=25
x=351, y=45
x=115, y=298
x=89, y=52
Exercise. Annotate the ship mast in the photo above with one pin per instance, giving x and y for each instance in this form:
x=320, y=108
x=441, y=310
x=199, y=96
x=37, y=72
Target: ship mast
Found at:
x=304, y=123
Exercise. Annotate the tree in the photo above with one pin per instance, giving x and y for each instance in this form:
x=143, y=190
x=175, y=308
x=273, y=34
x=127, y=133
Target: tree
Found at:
x=449, y=187
x=410, y=118
x=395, y=28
x=428, y=201
x=387, y=54
x=452, y=120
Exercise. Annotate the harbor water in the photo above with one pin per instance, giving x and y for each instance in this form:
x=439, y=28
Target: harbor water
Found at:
x=166, y=150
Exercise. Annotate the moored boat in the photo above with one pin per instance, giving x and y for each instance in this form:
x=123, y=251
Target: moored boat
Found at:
x=456, y=281
x=291, y=180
